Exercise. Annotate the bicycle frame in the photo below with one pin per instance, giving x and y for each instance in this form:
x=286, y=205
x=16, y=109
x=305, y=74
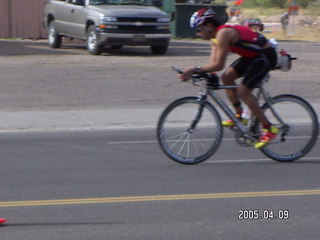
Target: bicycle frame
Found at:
x=205, y=91
x=267, y=97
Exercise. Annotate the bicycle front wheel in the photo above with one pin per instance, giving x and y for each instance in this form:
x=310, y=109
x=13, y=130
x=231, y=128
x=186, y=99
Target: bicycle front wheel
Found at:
x=189, y=131
x=298, y=125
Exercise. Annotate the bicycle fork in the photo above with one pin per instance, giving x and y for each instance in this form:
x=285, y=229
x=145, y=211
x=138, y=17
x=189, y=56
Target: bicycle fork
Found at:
x=202, y=100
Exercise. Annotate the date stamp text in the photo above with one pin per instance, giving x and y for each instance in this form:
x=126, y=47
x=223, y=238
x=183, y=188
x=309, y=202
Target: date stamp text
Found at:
x=255, y=214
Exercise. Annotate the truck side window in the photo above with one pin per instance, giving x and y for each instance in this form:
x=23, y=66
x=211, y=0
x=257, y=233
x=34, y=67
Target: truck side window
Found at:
x=77, y=2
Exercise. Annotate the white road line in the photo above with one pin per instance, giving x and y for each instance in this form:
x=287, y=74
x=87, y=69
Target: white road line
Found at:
x=154, y=141
x=254, y=160
x=151, y=141
x=217, y=161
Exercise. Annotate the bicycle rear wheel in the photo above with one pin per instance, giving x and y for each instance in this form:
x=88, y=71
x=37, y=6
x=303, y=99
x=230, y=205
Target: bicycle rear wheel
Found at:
x=189, y=131
x=298, y=132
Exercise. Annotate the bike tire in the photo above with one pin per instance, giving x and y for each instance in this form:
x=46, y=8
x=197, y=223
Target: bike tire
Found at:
x=300, y=132
x=187, y=146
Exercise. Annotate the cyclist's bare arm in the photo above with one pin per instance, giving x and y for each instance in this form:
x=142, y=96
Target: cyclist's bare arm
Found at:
x=218, y=54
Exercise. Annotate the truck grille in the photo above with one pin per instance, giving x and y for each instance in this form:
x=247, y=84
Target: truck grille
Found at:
x=133, y=19
x=138, y=30
x=133, y=29
x=137, y=25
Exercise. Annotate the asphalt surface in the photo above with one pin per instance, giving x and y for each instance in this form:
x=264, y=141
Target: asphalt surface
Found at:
x=119, y=185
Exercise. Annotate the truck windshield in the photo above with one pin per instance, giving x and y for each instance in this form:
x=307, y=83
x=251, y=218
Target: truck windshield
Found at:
x=121, y=2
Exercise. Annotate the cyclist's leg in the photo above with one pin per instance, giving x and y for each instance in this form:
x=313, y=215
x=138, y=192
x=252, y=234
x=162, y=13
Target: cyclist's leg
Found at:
x=228, y=78
x=253, y=75
x=245, y=94
x=257, y=70
x=234, y=71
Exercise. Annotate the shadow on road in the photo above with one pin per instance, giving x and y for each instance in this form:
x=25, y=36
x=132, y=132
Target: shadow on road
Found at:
x=176, y=48
x=14, y=48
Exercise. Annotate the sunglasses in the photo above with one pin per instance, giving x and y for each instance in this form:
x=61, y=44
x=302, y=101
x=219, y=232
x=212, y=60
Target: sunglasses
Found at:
x=199, y=29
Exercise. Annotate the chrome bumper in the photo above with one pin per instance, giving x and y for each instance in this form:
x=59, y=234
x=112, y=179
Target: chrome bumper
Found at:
x=132, y=38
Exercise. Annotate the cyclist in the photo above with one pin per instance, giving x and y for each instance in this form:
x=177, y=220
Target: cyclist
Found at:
x=257, y=58
x=254, y=23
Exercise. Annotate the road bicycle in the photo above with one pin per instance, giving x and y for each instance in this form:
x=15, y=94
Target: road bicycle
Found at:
x=189, y=129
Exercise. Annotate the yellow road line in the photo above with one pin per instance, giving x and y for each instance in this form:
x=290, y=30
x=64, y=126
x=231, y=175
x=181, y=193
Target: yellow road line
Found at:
x=160, y=198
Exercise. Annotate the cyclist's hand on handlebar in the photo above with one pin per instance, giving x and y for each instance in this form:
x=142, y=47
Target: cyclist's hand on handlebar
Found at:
x=186, y=74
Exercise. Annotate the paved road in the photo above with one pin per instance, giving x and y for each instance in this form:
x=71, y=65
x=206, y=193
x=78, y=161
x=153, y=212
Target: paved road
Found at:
x=119, y=185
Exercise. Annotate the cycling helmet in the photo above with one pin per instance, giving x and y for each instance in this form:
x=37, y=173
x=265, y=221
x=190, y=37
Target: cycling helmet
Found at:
x=203, y=15
x=254, y=22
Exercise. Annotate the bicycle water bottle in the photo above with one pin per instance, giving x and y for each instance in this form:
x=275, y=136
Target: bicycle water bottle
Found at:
x=274, y=43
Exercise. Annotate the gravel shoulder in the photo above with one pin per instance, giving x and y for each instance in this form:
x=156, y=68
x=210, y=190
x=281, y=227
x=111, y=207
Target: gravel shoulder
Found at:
x=68, y=89
x=35, y=77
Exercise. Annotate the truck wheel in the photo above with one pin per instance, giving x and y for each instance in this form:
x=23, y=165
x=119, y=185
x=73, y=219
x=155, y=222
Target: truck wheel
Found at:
x=93, y=45
x=159, y=50
x=54, y=38
x=116, y=47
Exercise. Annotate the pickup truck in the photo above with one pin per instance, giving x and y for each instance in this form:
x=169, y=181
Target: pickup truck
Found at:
x=108, y=22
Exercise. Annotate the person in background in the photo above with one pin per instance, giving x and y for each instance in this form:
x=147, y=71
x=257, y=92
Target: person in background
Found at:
x=284, y=22
x=254, y=23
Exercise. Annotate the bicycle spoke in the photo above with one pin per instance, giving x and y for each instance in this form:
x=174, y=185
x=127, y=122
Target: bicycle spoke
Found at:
x=195, y=147
x=172, y=146
x=175, y=136
x=200, y=142
x=184, y=142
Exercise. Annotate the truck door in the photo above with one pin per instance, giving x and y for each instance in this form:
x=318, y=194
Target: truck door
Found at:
x=78, y=19
x=66, y=19
x=60, y=15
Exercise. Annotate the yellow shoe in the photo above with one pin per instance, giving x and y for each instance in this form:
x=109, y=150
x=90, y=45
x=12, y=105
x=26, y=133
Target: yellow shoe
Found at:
x=266, y=136
x=230, y=123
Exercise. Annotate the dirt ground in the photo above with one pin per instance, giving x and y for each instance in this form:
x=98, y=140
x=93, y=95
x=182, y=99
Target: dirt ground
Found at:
x=302, y=27
x=34, y=76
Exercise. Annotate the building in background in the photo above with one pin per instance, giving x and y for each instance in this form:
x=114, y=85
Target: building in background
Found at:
x=21, y=19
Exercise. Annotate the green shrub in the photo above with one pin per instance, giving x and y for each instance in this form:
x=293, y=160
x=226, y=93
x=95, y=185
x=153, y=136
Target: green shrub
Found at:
x=275, y=3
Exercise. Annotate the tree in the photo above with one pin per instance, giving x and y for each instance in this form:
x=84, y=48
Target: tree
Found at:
x=304, y=3
x=272, y=3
